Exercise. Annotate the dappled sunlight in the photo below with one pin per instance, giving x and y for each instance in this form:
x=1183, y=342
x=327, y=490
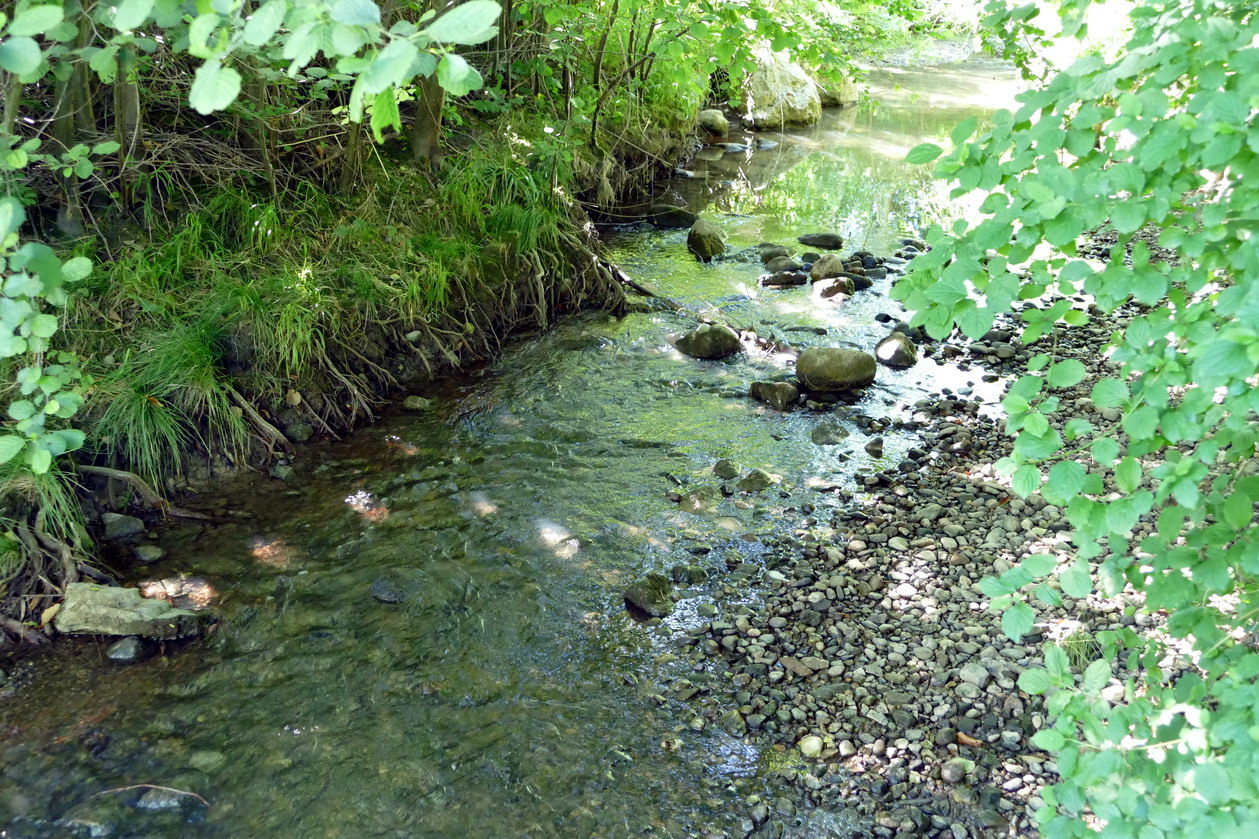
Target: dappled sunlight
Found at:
x=393, y=441
x=367, y=506
x=181, y=592
x=481, y=504
x=558, y=538
x=274, y=552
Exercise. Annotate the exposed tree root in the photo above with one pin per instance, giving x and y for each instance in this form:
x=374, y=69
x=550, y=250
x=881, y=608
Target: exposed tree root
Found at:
x=150, y=498
x=267, y=433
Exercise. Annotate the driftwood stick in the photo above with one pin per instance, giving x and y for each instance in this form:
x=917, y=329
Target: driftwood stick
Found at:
x=137, y=483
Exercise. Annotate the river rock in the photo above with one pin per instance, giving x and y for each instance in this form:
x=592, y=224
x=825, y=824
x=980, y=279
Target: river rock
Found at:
x=118, y=526
x=829, y=241
x=652, y=594
x=955, y=771
x=726, y=469
x=780, y=92
x=838, y=287
x=756, y=481
x=826, y=369
x=827, y=266
x=385, y=590
x=786, y=278
x=897, y=350
x=839, y=93
x=811, y=745
x=91, y=609
x=705, y=240
x=781, y=263
x=710, y=341
x=875, y=447
x=149, y=554
x=417, y=403
x=828, y=433
x=128, y=650
x=669, y=217
x=777, y=395
x=161, y=800
x=714, y=122
x=770, y=252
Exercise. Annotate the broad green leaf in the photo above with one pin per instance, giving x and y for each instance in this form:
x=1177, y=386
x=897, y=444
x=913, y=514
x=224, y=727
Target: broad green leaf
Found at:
x=35, y=20
x=390, y=68
x=1049, y=740
x=1017, y=621
x=76, y=268
x=923, y=153
x=1039, y=565
x=214, y=87
x=1096, y=676
x=1142, y=423
x=1128, y=474
x=1109, y=393
x=1056, y=662
x=1212, y=783
x=385, y=114
x=266, y=21
x=355, y=12
x=468, y=24
x=20, y=56
x=40, y=460
x=21, y=409
x=1066, y=479
x=10, y=446
x=12, y=215
x=1066, y=373
x=1026, y=479
x=1035, y=681
x=44, y=326
x=963, y=131
x=1076, y=581
x=1238, y=510
x=456, y=76
x=129, y=14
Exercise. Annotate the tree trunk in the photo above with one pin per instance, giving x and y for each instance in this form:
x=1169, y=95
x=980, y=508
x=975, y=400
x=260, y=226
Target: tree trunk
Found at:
x=127, y=123
x=426, y=126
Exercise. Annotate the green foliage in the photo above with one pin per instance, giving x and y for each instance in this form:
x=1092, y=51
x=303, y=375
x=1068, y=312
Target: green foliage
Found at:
x=1159, y=145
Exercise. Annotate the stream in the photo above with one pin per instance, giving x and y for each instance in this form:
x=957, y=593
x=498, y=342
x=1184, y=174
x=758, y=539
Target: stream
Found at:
x=509, y=692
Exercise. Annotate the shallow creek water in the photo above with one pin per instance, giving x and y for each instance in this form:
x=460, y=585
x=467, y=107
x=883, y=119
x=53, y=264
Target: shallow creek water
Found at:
x=510, y=694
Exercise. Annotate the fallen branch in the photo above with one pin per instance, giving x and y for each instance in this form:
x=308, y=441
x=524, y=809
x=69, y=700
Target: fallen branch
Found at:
x=273, y=435
x=153, y=786
x=137, y=483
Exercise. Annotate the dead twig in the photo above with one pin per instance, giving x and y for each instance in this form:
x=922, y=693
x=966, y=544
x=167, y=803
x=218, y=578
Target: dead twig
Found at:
x=153, y=786
x=137, y=483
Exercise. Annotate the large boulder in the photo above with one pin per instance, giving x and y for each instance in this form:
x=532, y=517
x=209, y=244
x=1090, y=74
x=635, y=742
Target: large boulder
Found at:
x=780, y=92
x=897, y=350
x=830, y=241
x=714, y=122
x=838, y=94
x=90, y=609
x=705, y=240
x=827, y=369
x=710, y=341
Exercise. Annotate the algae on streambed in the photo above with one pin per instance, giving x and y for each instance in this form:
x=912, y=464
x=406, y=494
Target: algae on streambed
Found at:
x=508, y=693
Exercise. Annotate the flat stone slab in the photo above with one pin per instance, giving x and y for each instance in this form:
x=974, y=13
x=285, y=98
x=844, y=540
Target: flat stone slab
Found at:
x=91, y=609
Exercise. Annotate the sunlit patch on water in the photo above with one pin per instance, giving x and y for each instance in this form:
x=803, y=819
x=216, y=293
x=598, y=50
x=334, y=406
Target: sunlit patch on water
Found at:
x=558, y=538
x=273, y=551
x=181, y=592
x=366, y=505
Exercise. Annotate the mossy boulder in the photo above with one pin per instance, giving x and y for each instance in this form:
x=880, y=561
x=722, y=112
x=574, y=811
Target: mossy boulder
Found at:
x=705, y=240
x=714, y=123
x=90, y=609
x=710, y=341
x=827, y=369
x=652, y=595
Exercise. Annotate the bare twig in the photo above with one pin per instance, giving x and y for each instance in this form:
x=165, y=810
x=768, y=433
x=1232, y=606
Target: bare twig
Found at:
x=153, y=786
x=137, y=483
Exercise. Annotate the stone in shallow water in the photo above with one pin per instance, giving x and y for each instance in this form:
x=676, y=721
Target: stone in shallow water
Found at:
x=652, y=594
x=726, y=469
x=830, y=241
x=128, y=650
x=118, y=526
x=705, y=240
x=835, y=368
x=91, y=609
x=777, y=395
x=386, y=590
x=811, y=745
x=756, y=480
x=148, y=554
x=828, y=433
x=897, y=350
x=710, y=341
x=160, y=800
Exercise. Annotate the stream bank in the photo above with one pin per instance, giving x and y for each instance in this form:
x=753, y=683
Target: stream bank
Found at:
x=500, y=687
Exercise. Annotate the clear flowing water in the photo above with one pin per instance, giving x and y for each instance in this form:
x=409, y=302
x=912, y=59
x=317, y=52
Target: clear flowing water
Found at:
x=509, y=693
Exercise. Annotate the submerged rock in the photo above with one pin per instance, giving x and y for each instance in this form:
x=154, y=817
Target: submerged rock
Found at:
x=811, y=745
x=386, y=590
x=829, y=241
x=756, y=481
x=118, y=526
x=897, y=350
x=780, y=92
x=128, y=650
x=417, y=403
x=777, y=395
x=828, y=433
x=828, y=369
x=705, y=240
x=91, y=609
x=652, y=595
x=726, y=469
x=838, y=94
x=714, y=122
x=786, y=278
x=710, y=341
x=149, y=554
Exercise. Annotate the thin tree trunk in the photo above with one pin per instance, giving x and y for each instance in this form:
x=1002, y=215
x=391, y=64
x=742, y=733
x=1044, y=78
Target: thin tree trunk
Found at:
x=352, y=159
x=426, y=126
x=127, y=118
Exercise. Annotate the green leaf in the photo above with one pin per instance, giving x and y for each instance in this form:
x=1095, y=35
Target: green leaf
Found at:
x=1049, y=740
x=214, y=87
x=1056, y=663
x=1066, y=373
x=1212, y=783
x=1037, y=424
x=923, y=153
x=1076, y=581
x=21, y=409
x=265, y=22
x=40, y=460
x=12, y=215
x=1066, y=479
x=1026, y=479
x=1104, y=451
x=76, y=268
x=1039, y=565
x=1109, y=393
x=44, y=326
x=1128, y=474
x=1035, y=681
x=1096, y=676
x=131, y=13
x=10, y=445
x=469, y=24
x=963, y=131
x=1238, y=510
x=385, y=114
x=1142, y=423
x=456, y=76
x=390, y=68
x=36, y=20
x=355, y=12
x=20, y=56
x=1017, y=621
